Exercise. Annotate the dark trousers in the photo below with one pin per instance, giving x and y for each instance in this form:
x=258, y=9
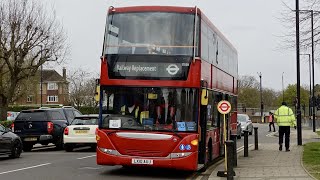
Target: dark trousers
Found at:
x=284, y=131
x=271, y=124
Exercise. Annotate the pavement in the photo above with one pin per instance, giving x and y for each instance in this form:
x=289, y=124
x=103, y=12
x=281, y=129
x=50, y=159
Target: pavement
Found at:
x=268, y=163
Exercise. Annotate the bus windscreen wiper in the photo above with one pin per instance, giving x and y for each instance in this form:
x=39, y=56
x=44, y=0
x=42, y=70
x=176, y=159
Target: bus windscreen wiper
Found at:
x=175, y=132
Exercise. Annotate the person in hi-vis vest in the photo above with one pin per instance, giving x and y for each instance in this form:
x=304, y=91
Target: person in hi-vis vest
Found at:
x=285, y=119
x=131, y=108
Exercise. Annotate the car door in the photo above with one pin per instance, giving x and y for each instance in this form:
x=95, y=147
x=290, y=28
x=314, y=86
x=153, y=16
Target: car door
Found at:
x=5, y=140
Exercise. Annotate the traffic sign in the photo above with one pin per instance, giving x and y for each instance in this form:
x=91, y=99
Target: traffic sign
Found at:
x=224, y=107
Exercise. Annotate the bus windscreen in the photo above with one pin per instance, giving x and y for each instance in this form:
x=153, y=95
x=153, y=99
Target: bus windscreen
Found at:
x=152, y=109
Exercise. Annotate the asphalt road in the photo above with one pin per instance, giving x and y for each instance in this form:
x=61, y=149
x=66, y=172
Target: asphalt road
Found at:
x=46, y=163
x=50, y=164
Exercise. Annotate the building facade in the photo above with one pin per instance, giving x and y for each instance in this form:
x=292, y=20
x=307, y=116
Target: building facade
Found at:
x=55, y=89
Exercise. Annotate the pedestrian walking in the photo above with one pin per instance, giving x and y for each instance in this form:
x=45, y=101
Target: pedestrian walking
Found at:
x=285, y=119
x=271, y=122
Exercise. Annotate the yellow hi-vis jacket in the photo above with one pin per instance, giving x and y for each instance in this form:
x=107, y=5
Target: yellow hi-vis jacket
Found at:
x=284, y=116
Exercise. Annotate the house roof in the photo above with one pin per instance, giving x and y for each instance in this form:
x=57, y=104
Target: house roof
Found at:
x=51, y=75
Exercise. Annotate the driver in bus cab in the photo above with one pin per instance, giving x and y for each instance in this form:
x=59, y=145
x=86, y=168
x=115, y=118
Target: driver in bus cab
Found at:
x=132, y=107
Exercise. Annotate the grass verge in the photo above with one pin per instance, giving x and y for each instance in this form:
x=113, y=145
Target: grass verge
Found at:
x=318, y=132
x=311, y=158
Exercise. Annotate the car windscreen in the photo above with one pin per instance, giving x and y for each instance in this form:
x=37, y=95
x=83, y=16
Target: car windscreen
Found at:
x=32, y=116
x=56, y=115
x=85, y=121
x=242, y=118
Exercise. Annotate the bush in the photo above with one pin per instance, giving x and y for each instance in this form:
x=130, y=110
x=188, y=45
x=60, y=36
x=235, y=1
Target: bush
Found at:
x=89, y=110
x=6, y=124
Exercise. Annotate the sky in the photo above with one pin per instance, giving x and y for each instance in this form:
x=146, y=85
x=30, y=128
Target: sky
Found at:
x=252, y=26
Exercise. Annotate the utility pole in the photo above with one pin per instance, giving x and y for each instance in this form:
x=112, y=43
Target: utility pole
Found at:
x=313, y=98
x=261, y=102
x=299, y=134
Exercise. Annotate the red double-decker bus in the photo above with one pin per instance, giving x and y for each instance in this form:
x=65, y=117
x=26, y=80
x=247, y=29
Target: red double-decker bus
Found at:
x=163, y=71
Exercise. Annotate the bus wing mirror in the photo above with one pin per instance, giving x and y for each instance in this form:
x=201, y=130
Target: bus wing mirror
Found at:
x=204, y=97
x=97, y=94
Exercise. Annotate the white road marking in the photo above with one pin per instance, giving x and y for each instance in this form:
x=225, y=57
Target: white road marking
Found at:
x=86, y=157
x=90, y=168
x=6, y=172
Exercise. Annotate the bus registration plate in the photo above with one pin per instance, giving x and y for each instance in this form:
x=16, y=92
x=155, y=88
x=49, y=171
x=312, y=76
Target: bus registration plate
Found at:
x=142, y=161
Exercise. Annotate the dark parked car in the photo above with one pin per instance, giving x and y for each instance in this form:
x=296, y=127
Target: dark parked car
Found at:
x=10, y=143
x=44, y=126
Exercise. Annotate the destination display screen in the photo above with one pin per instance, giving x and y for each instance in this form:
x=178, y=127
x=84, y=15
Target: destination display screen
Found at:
x=148, y=68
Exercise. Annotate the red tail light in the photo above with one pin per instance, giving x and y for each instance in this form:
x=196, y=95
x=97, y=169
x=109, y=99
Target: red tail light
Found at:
x=12, y=127
x=66, y=131
x=50, y=127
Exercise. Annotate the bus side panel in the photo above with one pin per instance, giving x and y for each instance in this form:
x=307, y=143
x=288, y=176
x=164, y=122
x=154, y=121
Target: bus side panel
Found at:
x=206, y=72
x=215, y=143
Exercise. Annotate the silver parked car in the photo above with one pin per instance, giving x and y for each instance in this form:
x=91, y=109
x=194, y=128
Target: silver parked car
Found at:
x=239, y=130
x=245, y=122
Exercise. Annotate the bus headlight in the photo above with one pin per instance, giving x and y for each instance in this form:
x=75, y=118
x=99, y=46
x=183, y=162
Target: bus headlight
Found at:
x=179, y=155
x=109, y=151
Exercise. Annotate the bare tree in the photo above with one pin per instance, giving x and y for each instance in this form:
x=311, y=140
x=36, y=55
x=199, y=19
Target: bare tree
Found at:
x=249, y=93
x=82, y=88
x=289, y=22
x=28, y=38
x=248, y=82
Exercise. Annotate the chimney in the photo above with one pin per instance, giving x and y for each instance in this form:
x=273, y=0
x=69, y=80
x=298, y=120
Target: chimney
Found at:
x=64, y=73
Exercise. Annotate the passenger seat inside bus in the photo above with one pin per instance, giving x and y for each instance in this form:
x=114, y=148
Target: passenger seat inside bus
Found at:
x=141, y=50
x=125, y=50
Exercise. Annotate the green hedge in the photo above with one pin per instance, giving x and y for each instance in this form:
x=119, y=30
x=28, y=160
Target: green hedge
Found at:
x=89, y=110
x=6, y=123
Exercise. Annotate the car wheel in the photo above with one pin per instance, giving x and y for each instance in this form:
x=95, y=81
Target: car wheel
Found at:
x=93, y=147
x=68, y=147
x=251, y=130
x=59, y=144
x=16, y=149
x=27, y=147
x=45, y=144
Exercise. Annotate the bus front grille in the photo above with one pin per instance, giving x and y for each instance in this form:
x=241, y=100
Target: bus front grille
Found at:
x=144, y=153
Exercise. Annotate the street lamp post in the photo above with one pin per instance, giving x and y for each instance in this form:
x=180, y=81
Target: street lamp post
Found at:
x=310, y=93
x=261, y=102
x=41, y=79
x=312, y=54
x=42, y=61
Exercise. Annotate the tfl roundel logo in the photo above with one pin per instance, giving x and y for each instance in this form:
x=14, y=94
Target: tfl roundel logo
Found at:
x=172, y=69
x=182, y=147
